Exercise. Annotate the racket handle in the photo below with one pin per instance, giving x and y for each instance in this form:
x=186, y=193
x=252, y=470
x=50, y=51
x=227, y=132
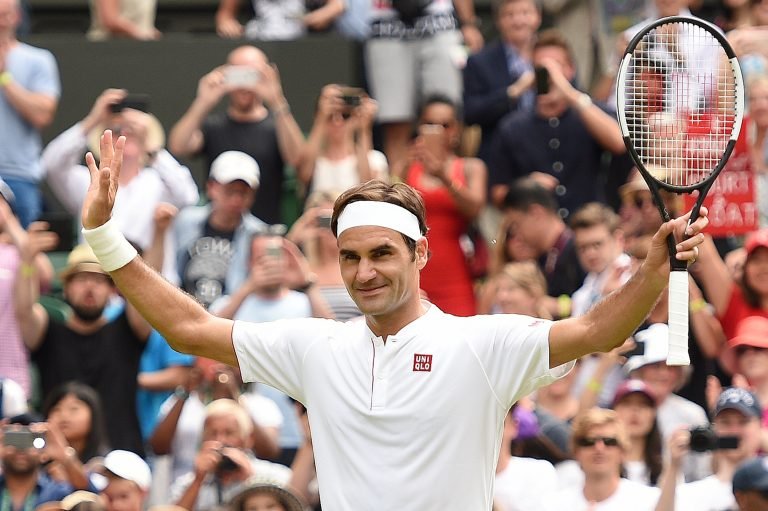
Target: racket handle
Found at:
x=678, y=319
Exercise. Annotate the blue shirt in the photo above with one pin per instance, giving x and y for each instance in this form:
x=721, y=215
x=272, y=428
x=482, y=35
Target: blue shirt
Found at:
x=34, y=69
x=46, y=490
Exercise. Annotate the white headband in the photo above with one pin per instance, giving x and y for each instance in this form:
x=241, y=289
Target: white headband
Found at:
x=381, y=214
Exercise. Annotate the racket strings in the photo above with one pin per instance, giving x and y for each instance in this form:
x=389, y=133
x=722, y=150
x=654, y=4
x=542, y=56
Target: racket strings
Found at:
x=680, y=102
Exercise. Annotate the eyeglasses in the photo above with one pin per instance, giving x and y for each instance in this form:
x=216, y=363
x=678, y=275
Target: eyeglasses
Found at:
x=590, y=441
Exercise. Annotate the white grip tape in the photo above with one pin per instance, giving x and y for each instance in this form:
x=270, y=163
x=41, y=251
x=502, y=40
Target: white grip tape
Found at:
x=110, y=246
x=678, y=319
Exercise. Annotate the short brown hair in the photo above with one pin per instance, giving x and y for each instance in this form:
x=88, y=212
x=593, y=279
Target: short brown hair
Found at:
x=595, y=418
x=594, y=214
x=399, y=194
x=553, y=37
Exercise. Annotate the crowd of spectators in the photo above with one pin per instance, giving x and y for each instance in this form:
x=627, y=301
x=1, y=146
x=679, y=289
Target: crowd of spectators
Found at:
x=533, y=208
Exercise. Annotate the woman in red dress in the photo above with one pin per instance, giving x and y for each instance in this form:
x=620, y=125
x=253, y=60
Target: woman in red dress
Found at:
x=454, y=192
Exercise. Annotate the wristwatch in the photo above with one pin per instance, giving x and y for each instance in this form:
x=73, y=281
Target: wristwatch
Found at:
x=181, y=393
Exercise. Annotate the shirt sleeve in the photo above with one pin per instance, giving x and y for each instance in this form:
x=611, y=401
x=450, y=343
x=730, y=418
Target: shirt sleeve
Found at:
x=514, y=352
x=274, y=352
x=180, y=188
x=68, y=180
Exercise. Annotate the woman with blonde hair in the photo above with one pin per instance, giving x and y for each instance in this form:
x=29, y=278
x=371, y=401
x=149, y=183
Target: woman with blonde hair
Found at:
x=519, y=288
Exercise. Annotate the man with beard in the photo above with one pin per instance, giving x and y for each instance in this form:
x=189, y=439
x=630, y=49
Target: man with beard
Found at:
x=23, y=484
x=89, y=348
x=257, y=121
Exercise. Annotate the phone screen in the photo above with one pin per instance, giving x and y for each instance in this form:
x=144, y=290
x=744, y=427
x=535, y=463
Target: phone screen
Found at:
x=542, y=80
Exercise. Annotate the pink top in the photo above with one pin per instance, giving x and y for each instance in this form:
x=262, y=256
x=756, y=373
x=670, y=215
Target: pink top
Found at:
x=14, y=357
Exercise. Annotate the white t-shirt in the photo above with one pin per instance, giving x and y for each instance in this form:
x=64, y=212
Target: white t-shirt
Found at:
x=337, y=175
x=708, y=494
x=628, y=496
x=521, y=485
x=411, y=424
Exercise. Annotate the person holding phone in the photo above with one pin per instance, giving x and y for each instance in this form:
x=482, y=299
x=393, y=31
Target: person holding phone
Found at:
x=339, y=151
x=453, y=189
x=151, y=174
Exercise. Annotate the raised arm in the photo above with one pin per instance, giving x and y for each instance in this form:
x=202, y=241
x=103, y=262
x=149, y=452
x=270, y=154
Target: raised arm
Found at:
x=186, y=137
x=615, y=318
x=177, y=316
x=713, y=274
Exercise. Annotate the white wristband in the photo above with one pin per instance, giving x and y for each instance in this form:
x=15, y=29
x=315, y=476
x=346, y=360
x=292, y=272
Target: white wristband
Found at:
x=110, y=246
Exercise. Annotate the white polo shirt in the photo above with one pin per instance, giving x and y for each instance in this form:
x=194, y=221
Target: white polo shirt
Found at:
x=413, y=424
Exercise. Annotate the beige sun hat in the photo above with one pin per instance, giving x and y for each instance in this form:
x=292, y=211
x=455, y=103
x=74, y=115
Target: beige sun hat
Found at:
x=155, y=139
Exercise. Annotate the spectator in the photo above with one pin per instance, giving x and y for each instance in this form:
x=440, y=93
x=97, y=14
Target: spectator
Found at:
x=561, y=141
x=24, y=482
x=128, y=479
x=530, y=211
x=76, y=410
x=90, y=349
x=149, y=175
x=123, y=18
x=453, y=190
x=509, y=248
x=635, y=406
x=599, y=444
x=20, y=255
x=746, y=353
x=519, y=288
x=277, y=20
x=213, y=241
x=737, y=415
x=520, y=483
x=257, y=121
x=757, y=125
x=490, y=94
x=223, y=463
x=312, y=233
x=599, y=243
x=260, y=493
x=750, y=484
x=339, y=151
x=29, y=95
x=415, y=52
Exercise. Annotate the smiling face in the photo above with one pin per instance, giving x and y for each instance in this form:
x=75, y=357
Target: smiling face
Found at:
x=381, y=274
x=517, y=21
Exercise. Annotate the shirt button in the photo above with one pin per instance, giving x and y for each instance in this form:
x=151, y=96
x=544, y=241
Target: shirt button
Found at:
x=554, y=143
x=563, y=212
x=560, y=190
x=554, y=122
x=557, y=166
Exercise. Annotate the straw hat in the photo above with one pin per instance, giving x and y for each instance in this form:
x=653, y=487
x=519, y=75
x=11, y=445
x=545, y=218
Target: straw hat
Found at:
x=155, y=139
x=81, y=259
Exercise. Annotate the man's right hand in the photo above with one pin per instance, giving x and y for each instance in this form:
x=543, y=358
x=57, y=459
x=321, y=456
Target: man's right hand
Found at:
x=212, y=87
x=100, y=198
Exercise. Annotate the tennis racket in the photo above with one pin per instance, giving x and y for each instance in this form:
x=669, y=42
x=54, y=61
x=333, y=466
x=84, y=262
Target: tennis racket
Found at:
x=680, y=99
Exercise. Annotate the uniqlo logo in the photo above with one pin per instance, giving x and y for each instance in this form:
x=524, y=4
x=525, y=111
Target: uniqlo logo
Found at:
x=422, y=363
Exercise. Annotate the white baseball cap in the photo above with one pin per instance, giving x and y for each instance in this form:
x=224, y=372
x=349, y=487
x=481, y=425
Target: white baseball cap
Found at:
x=233, y=166
x=129, y=466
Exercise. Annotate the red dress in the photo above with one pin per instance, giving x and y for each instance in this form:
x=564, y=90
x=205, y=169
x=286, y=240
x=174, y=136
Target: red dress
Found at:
x=445, y=278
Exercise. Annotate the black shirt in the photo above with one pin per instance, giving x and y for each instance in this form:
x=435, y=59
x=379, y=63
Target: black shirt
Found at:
x=259, y=140
x=108, y=361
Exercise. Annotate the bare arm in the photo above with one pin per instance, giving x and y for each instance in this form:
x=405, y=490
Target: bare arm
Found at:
x=109, y=15
x=290, y=139
x=226, y=19
x=704, y=325
x=615, y=318
x=177, y=316
x=165, y=379
x=36, y=108
x=162, y=437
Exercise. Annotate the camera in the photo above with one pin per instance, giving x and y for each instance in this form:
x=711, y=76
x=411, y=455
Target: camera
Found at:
x=542, y=80
x=23, y=438
x=704, y=439
x=324, y=221
x=138, y=102
x=226, y=464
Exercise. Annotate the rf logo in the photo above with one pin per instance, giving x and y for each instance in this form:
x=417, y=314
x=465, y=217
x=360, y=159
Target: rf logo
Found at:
x=422, y=363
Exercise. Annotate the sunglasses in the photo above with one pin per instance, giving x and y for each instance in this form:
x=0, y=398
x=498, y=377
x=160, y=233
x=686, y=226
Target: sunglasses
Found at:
x=590, y=441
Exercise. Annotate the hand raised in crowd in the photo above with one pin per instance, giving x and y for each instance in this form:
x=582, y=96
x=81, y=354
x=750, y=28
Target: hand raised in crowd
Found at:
x=163, y=217
x=329, y=104
x=364, y=115
x=473, y=38
x=266, y=272
x=225, y=382
x=229, y=27
x=210, y=460
x=521, y=85
x=212, y=87
x=39, y=239
x=678, y=447
x=297, y=270
x=306, y=227
x=269, y=87
x=100, y=111
x=100, y=198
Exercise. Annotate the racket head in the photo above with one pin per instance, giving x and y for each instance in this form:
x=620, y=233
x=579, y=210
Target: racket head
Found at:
x=680, y=99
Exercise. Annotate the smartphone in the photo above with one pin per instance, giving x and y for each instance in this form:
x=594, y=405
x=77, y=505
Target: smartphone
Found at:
x=241, y=76
x=352, y=96
x=133, y=101
x=542, y=80
x=274, y=248
x=23, y=438
x=433, y=136
x=324, y=221
x=638, y=350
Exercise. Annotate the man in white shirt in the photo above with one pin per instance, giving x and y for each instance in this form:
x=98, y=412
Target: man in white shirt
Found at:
x=599, y=443
x=406, y=407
